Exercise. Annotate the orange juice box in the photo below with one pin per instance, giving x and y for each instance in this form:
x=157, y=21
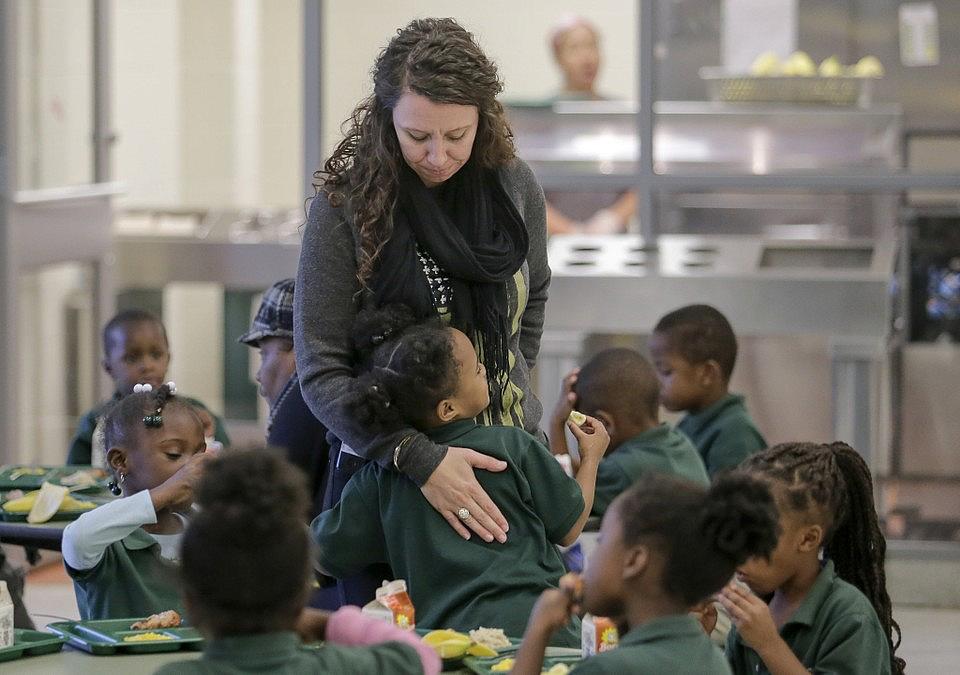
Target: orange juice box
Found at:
x=393, y=604
x=598, y=634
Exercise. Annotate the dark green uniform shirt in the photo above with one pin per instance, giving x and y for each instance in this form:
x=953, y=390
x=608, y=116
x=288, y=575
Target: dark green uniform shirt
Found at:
x=81, y=447
x=723, y=433
x=657, y=450
x=672, y=644
x=383, y=517
x=131, y=580
x=834, y=630
x=282, y=654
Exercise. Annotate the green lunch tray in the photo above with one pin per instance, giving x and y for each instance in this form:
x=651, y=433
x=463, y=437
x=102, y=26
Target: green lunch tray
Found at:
x=457, y=662
x=30, y=643
x=483, y=665
x=106, y=636
x=12, y=479
x=21, y=516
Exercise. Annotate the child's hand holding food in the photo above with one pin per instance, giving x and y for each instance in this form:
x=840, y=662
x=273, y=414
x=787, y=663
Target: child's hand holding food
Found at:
x=177, y=491
x=592, y=437
x=555, y=606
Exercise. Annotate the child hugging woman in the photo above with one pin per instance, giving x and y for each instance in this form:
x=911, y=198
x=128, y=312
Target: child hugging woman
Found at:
x=429, y=376
x=122, y=555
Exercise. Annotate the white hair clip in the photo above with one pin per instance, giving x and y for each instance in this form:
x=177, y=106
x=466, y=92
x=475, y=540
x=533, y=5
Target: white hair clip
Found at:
x=139, y=388
x=172, y=386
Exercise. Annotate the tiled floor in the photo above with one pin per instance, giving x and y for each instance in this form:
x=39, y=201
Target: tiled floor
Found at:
x=930, y=643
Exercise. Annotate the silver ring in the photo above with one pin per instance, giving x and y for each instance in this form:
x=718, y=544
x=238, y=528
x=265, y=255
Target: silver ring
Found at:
x=463, y=513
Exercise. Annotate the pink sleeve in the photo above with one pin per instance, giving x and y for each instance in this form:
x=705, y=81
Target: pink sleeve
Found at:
x=348, y=626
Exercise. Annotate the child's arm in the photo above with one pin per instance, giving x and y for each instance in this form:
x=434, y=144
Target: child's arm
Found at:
x=754, y=623
x=348, y=626
x=561, y=411
x=550, y=614
x=593, y=440
x=350, y=535
x=86, y=539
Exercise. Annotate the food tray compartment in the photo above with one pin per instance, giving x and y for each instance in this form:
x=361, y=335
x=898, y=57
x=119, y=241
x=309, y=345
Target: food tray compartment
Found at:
x=13, y=478
x=104, y=637
x=484, y=665
x=30, y=643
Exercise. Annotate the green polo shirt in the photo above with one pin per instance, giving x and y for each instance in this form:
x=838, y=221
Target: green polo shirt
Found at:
x=658, y=450
x=834, y=630
x=282, y=654
x=130, y=581
x=670, y=644
x=723, y=433
x=81, y=447
x=454, y=583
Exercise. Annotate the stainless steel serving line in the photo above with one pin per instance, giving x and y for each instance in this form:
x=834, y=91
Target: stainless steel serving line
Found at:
x=619, y=284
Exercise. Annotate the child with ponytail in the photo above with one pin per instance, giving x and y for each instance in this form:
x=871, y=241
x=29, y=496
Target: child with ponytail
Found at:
x=428, y=375
x=829, y=610
x=665, y=546
x=122, y=556
x=245, y=568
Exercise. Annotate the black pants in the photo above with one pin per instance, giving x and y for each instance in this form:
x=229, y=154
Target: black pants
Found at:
x=358, y=589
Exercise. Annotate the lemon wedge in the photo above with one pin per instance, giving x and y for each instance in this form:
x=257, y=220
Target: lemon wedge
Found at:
x=449, y=644
x=481, y=650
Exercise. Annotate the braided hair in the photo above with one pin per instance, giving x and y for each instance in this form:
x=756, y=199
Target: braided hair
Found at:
x=833, y=479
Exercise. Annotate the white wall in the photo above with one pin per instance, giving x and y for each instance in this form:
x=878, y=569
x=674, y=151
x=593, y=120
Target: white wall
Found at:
x=146, y=101
x=514, y=34
x=55, y=103
x=208, y=102
x=193, y=316
x=44, y=296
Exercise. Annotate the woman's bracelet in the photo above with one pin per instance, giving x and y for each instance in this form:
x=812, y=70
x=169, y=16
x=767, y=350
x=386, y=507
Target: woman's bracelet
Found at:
x=400, y=446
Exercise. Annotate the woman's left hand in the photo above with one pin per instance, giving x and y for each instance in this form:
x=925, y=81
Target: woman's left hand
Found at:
x=453, y=486
x=750, y=615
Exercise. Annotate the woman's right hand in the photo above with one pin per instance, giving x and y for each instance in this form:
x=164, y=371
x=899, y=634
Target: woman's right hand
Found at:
x=453, y=486
x=177, y=491
x=592, y=438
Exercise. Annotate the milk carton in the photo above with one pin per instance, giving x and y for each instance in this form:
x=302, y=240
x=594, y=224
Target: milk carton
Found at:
x=6, y=616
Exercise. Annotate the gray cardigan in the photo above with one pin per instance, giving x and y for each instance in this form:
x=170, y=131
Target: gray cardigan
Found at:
x=328, y=298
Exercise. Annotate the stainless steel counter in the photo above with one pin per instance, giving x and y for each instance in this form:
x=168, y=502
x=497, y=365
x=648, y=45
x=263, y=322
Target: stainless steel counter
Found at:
x=616, y=284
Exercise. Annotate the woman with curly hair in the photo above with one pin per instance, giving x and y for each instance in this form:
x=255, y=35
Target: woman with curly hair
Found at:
x=425, y=203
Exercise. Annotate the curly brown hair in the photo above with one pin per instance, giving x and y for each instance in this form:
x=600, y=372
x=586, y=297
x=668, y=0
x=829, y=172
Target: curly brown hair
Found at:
x=435, y=58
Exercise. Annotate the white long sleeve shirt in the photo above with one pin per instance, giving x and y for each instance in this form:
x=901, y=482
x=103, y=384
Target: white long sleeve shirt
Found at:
x=86, y=539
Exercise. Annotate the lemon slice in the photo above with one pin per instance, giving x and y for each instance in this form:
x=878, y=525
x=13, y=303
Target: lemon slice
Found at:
x=21, y=504
x=504, y=666
x=481, y=650
x=47, y=503
x=577, y=417
x=435, y=637
x=451, y=649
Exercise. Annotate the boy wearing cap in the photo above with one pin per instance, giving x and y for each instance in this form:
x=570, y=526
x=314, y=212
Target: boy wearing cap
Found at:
x=290, y=425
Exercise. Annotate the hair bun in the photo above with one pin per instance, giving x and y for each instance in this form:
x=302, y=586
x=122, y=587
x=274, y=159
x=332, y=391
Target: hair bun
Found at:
x=374, y=327
x=740, y=518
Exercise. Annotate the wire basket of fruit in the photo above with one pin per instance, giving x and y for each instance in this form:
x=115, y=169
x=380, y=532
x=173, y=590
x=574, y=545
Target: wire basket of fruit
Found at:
x=796, y=80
